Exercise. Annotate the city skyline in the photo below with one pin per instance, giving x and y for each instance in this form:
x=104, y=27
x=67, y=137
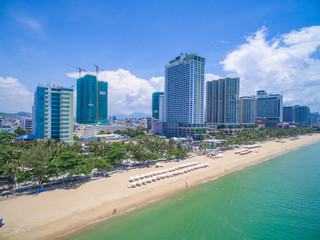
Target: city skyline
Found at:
x=278, y=52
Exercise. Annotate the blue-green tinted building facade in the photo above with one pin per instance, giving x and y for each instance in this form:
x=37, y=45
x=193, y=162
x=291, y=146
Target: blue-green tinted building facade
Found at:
x=223, y=101
x=156, y=104
x=87, y=100
x=296, y=114
x=52, y=112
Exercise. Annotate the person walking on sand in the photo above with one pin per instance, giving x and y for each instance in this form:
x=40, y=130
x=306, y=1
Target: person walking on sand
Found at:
x=186, y=185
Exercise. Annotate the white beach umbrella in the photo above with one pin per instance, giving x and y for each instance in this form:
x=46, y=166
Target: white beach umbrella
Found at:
x=137, y=177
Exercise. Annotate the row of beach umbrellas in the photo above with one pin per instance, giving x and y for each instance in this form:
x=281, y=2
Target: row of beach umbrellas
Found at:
x=143, y=179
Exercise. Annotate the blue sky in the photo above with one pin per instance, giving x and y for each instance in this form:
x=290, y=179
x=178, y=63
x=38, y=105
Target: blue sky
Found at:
x=133, y=40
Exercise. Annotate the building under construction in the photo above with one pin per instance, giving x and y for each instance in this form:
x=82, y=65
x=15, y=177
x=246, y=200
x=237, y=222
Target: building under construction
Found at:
x=92, y=100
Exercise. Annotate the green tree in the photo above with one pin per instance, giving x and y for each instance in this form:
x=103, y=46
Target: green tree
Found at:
x=20, y=132
x=37, y=159
x=6, y=137
x=101, y=163
x=102, y=132
x=117, y=152
x=76, y=138
x=10, y=163
x=71, y=163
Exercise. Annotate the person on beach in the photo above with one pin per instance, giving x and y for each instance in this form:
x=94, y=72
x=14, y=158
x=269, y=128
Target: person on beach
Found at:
x=114, y=211
x=186, y=185
x=1, y=223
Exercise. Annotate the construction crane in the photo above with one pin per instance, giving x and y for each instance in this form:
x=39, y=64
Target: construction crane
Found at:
x=97, y=104
x=80, y=69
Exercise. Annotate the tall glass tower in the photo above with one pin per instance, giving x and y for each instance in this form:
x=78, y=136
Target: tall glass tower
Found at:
x=223, y=101
x=155, y=104
x=247, y=110
x=184, y=89
x=52, y=112
x=87, y=100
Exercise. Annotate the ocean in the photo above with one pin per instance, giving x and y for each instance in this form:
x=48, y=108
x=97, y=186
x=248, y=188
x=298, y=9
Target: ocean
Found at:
x=277, y=199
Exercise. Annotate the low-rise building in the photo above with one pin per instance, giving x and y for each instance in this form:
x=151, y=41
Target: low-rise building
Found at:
x=88, y=131
x=26, y=124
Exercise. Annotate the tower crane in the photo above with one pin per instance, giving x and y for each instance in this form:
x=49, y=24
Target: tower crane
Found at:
x=80, y=69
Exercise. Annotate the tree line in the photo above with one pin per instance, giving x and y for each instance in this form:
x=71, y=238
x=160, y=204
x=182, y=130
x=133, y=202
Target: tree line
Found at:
x=251, y=136
x=41, y=160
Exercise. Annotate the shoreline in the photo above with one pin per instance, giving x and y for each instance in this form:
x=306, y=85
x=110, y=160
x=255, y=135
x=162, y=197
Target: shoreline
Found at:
x=55, y=214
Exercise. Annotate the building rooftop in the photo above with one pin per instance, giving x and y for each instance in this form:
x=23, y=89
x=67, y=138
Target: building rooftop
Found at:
x=53, y=85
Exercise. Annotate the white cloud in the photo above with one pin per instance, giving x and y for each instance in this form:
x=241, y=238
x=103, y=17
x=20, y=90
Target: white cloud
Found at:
x=210, y=77
x=286, y=64
x=14, y=97
x=128, y=93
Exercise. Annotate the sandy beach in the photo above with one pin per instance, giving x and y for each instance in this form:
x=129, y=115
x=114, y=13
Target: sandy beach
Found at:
x=55, y=213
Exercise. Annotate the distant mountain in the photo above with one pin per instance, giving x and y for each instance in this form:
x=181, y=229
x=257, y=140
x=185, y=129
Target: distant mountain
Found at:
x=133, y=115
x=14, y=115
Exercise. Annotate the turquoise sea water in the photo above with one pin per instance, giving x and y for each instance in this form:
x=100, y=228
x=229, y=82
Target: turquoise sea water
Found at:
x=278, y=199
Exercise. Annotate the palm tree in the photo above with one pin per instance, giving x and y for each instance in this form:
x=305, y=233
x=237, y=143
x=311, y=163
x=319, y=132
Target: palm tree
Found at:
x=11, y=165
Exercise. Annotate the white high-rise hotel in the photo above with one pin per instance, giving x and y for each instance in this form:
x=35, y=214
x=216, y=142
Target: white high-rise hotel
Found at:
x=184, y=89
x=182, y=107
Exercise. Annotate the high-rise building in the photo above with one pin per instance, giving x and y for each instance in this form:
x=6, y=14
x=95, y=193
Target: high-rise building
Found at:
x=269, y=106
x=288, y=114
x=247, y=110
x=296, y=114
x=183, y=106
x=87, y=104
x=155, y=104
x=184, y=89
x=223, y=101
x=302, y=115
x=161, y=108
x=26, y=124
x=52, y=112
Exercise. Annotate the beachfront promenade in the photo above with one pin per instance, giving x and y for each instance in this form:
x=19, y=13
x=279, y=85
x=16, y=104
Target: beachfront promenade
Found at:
x=54, y=213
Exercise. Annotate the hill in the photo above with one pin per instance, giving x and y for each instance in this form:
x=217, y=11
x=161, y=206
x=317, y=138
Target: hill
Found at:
x=15, y=115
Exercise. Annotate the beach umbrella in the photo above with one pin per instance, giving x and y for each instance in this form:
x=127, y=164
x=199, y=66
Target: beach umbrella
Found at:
x=149, y=180
x=154, y=178
x=131, y=179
